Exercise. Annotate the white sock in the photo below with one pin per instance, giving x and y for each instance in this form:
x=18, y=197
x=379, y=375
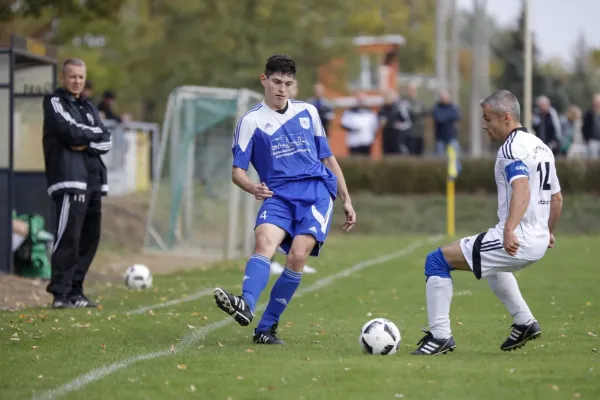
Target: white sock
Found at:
x=504, y=285
x=439, y=297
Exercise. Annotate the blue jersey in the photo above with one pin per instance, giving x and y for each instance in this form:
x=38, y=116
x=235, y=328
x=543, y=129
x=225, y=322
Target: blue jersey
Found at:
x=283, y=147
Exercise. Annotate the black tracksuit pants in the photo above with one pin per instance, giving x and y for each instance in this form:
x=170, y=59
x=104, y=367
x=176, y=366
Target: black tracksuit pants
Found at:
x=76, y=241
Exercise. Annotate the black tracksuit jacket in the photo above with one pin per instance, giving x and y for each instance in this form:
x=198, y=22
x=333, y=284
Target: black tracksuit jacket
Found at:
x=72, y=122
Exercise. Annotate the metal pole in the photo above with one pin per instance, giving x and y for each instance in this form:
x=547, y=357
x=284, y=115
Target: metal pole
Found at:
x=441, y=46
x=475, y=117
x=527, y=56
x=455, y=53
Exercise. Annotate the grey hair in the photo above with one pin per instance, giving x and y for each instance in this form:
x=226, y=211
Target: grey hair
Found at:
x=78, y=62
x=502, y=101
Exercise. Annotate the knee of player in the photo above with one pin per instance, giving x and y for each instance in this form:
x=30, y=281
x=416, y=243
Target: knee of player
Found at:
x=436, y=265
x=296, y=259
x=265, y=245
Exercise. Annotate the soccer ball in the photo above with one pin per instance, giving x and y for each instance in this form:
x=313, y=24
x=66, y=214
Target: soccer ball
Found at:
x=138, y=276
x=380, y=337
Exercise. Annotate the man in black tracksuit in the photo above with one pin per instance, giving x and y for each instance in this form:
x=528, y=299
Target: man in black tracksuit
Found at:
x=74, y=139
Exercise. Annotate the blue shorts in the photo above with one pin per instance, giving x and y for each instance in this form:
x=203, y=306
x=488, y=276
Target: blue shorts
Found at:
x=302, y=207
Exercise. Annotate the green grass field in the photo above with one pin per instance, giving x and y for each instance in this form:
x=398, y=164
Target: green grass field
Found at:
x=188, y=350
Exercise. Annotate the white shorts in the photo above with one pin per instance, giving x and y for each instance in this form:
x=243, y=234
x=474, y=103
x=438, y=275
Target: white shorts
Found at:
x=486, y=255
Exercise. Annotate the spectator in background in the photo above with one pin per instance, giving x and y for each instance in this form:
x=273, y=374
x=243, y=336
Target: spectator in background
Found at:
x=445, y=117
x=572, y=139
x=88, y=90
x=74, y=138
x=324, y=107
x=546, y=124
x=106, y=106
x=417, y=112
x=591, y=128
x=361, y=124
x=395, y=121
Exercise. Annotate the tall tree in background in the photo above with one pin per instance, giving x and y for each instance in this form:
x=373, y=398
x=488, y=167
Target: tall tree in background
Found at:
x=584, y=80
x=510, y=51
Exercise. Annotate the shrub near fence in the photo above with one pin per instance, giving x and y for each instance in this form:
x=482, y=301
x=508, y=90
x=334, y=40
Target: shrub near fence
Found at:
x=404, y=175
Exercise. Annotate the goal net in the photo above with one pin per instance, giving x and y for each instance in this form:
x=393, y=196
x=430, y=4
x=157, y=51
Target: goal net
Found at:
x=194, y=207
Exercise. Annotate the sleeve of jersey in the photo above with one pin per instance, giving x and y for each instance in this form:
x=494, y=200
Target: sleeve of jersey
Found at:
x=243, y=140
x=513, y=158
x=321, y=143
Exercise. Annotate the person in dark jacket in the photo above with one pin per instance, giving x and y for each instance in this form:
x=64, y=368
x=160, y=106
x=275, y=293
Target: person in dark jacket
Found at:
x=445, y=117
x=74, y=139
x=106, y=106
x=323, y=106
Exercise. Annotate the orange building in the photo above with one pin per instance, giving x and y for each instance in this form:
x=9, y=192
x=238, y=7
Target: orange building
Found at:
x=377, y=73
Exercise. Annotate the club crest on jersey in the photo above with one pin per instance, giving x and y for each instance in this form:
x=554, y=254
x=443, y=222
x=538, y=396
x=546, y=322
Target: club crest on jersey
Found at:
x=305, y=123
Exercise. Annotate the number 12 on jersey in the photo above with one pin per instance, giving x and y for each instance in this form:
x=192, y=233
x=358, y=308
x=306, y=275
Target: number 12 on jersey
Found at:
x=543, y=169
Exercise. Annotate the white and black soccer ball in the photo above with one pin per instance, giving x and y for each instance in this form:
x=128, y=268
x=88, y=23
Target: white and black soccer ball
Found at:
x=379, y=336
x=138, y=276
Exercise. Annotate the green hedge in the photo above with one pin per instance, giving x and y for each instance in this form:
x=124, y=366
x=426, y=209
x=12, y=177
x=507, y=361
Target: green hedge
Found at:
x=407, y=175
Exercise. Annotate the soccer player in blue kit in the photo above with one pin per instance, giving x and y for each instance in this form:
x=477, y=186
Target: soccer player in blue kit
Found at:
x=300, y=178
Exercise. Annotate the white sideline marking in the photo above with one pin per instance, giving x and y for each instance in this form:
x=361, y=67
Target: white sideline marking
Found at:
x=195, y=296
x=199, y=334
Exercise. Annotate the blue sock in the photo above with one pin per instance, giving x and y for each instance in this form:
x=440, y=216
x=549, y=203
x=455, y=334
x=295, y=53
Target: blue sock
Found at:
x=256, y=278
x=281, y=295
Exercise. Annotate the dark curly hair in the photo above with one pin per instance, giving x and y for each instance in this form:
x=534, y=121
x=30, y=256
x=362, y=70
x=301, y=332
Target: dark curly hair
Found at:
x=280, y=64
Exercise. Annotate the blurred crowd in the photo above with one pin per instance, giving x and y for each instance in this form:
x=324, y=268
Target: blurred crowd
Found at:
x=574, y=134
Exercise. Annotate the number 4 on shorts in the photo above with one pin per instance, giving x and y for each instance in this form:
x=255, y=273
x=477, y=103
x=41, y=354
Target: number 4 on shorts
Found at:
x=264, y=215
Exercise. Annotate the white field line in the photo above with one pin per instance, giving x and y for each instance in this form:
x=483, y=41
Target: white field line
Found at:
x=200, y=333
x=174, y=302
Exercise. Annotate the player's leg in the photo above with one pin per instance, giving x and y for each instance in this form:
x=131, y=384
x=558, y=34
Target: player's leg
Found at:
x=310, y=231
x=284, y=289
x=438, y=286
x=272, y=222
x=525, y=327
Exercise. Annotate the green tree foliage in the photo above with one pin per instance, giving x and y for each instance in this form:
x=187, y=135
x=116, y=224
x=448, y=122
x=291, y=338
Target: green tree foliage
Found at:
x=510, y=50
x=152, y=46
x=84, y=10
x=583, y=82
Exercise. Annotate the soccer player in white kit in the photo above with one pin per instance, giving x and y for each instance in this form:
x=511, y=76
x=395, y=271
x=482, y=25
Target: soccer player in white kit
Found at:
x=529, y=205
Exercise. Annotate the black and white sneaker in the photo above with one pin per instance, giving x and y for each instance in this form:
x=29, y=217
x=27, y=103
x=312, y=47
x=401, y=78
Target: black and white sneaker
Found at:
x=521, y=334
x=61, y=302
x=234, y=305
x=268, y=336
x=430, y=346
x=81, y=301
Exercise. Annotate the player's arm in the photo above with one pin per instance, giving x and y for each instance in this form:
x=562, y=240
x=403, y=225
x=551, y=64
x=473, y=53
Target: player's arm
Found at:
x=518, y=203
x=326, y=156
x=517, y=175
x=60, y=122
x=556, y=203
x=332, y=164
x=242, y=148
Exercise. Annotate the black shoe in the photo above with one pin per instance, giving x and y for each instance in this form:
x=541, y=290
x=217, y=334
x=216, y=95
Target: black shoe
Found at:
x=80, y=301
x=61, y=302
x=430, y=346
x=268, y=336
x=234, y=306
x=521, y=334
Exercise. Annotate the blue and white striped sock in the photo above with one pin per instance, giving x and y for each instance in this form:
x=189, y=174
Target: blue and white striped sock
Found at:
x=256, y=278
x=281, y=295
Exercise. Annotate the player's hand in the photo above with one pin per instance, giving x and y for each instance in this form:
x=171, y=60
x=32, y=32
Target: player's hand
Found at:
x=511, y=242
x=350, y=217
x=262, y=192
x=79, y=148
x=552, y=241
